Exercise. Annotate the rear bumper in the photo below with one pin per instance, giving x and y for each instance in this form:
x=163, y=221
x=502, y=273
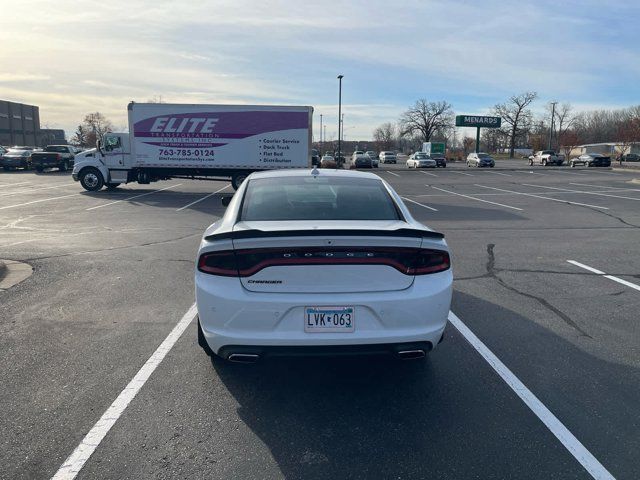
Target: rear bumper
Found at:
x=46, y=162
x=232, y=316
x=14, y=162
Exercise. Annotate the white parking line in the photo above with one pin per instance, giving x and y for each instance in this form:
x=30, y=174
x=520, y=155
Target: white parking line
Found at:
x=74, y=463
x=566, y=190
x=392, y=173
x=36, y=189
x=610, y=277
x=603, y=186
x=475, y=198
x=536, y=173
x=131, y=198
x=499, y=173
x=427, y=173
x=562, y=433
x=571, y=173
x=544, y=198
x=38, y=201
x=413, y=201
x=201, y=199
x=463, y=173
x=14, y=184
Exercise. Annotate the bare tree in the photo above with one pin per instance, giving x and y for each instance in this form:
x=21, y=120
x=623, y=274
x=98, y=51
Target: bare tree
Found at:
x=385, y=136
x=468, y=143
x=564, y=120
x=425, y=119
x=94, y=126
x=627, y=133
x=516, y=115
x=569, y=140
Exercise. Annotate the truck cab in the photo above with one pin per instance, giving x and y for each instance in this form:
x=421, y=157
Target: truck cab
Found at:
x=109, y=164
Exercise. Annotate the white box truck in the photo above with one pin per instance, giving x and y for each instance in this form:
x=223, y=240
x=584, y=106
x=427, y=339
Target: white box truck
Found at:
x=434, y=148
x=198, y=142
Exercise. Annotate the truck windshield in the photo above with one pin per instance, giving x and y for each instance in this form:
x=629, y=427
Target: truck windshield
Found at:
x=317, y=198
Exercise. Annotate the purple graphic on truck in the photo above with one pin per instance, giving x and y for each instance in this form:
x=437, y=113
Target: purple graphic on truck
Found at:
x=206, y=129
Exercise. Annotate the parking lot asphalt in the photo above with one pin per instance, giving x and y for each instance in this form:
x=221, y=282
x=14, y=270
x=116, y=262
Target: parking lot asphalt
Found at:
x=113, y=276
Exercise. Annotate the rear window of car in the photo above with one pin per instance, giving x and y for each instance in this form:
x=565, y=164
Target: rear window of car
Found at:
x=317, y=198
x=483, y=155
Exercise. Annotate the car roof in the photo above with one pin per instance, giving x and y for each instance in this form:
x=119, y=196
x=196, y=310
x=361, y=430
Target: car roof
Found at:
x=306, y=172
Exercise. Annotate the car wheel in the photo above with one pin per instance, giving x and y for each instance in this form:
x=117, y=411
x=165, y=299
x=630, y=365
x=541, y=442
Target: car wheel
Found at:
x=468, y=165
x=91, y=179
x=544, y=163
x=65, y=166
x=39, y=169
x=112, y=186
x=587, y=164
x=491, y=166
x=237, y=180
x=573, y=165
x=202, y=341
x=530, y=163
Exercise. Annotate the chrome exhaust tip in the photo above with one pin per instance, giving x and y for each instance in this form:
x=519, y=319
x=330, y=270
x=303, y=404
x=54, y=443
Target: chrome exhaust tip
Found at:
x=411, y=354
x=243, y=357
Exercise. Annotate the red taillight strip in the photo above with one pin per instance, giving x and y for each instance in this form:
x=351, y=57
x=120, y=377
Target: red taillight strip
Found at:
x=409, y=261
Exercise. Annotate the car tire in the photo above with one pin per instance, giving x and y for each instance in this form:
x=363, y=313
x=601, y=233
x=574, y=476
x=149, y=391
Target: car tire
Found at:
x=39, y=169
x=573, y=165
x=202, y=342
x=530, y=163
x=544, y=163
x=237, y=180
x=65, y=166
x=111, y=186
x=91, y=179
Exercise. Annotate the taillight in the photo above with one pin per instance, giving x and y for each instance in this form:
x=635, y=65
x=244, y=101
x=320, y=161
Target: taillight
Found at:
x=58, y=156
x=219, y=263
x=248, y=262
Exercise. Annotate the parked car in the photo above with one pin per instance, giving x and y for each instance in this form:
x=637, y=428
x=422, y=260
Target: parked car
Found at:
x=421, y=160
x=374, y=158
x=340, y=158
x=441, y=161
x=631, y=157
x=388, y=157
x=327, y=161
x=16, y=158
x=283, y=271
x=360, y=160
x=315, y=157
x=480, y=160
x=546, y=157
x=591, y=160
x=56, y=156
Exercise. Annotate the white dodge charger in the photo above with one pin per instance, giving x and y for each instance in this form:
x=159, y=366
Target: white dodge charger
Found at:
x=320, y=262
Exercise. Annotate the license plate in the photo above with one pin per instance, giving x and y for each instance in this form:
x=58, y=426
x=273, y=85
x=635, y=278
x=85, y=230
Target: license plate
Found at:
x=329, y=319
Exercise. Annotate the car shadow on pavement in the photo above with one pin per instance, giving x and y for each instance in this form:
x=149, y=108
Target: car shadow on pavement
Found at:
x=455, y=213
x=450, y=416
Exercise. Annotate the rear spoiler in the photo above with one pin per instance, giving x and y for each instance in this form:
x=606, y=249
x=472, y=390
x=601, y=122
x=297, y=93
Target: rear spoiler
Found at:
x=401, y=232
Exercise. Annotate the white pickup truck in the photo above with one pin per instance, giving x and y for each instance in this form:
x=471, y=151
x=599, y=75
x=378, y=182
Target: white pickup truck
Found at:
x=546, y=157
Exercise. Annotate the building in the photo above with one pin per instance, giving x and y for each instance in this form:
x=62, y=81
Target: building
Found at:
x=19, y=124
x=51, y=136
x=610, y=148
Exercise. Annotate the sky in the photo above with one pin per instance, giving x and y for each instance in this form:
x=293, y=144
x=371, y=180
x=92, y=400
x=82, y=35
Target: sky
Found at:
x=74, y=57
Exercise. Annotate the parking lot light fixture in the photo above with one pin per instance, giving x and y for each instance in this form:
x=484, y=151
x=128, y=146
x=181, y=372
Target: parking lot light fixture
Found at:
x=339, y=119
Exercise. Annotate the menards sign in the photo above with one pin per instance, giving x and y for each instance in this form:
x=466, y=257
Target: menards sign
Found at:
x=478, y=121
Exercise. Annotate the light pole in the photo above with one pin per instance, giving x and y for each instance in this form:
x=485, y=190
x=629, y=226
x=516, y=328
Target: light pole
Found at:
x=324, y=136
x=339, y=118
x=553, y=117
x=321, y=132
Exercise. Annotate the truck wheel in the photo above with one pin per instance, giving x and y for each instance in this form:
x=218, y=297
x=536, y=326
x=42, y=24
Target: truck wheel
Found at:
x=112, y=186
x=65, y=166
x=530, y=163
x=544, y=163
x=91, y=179
x=39, y=169
x=237, y=180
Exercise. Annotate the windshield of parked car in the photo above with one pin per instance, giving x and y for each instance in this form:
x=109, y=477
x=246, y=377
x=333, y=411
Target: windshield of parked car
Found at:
x=421, y=155
x=317, y=198
x=18, y=152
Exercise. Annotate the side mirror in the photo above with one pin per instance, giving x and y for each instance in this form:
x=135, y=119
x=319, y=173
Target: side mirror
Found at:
x=226, y=201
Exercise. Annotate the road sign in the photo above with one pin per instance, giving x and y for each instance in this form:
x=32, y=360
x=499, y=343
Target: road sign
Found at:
x=478, y=121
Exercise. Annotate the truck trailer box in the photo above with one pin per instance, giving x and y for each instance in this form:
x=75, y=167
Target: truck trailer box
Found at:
x=433, y=148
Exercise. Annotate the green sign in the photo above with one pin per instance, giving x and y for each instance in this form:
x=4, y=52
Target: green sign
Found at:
x=478, y=121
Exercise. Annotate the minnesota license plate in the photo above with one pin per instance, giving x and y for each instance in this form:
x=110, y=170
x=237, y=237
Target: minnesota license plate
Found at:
x=329, y=319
